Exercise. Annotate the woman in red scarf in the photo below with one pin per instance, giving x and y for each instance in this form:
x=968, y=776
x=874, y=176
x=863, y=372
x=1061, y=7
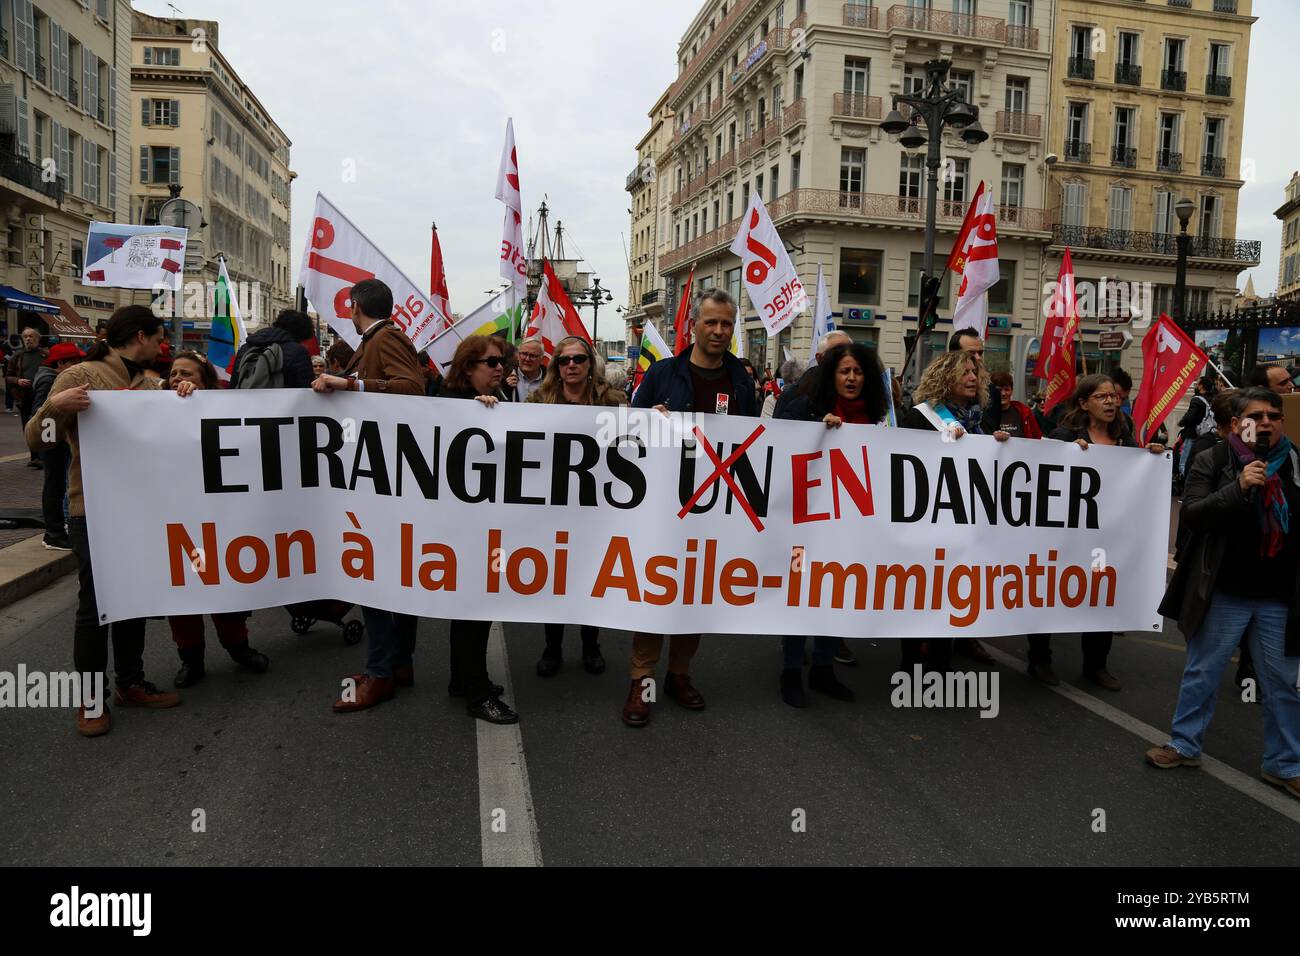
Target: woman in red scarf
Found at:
x=848, y=387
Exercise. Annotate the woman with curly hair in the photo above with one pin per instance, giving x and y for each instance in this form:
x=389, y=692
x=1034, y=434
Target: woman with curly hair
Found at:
x=573, y=378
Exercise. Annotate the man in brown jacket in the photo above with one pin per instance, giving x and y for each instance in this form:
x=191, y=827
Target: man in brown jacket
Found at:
x=385, y=362
x=20, y=374
x=118, y=362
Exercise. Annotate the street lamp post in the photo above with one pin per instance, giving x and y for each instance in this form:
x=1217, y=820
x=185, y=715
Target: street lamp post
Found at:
x=1184, y=209
x=936, y=106
x=596, y=296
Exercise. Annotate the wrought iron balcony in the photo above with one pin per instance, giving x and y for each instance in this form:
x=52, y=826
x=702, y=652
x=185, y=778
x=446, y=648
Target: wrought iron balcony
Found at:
x=1081, y=68
x=1218, y=85
x=859, y=15
x=1129, y=74
x=967, y=25
x=793, y=115
x=1153, y=243
x=1173, y=80
x=1214, y=166
x=1022, y=38
x=1125, y=157
x=857, y=105
x=1076, y=151
x=26, y=173
x=1167, y=161
x=1018, y=124
x=1225, y=6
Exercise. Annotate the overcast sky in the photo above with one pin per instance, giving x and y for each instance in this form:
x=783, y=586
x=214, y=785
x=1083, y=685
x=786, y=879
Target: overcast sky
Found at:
x=416, y=95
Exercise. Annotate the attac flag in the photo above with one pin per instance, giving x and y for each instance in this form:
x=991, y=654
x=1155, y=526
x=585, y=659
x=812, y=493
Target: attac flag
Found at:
x=979, y=260
x=682, y=325
x=554, y=316
x=438, y=280
x=1056, y=350
x=1171, y=361
x=653, y=348
x=227, y=333
x=822, y=322
x=337, y=257
x=514, y=262
x=770, y=278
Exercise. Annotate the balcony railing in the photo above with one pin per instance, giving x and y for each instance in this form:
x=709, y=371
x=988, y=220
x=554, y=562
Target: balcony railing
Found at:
x=1081, y=68
x=1218, y=85
x=26, y=173
x=634, y=177
x=1018, y=124
x=1214, y=166
x=1022, y=38
x=1153, y=243
x=719, y=36
x=1076, y=151
x=857, y=15
x=725, y=164
x=1173, y=80
x=793, y=115
x=1225, y=6
x=857, y=105
x=654, y=297
x=1129, y=74
x=751, y=145
x=948, y=24
x=1168, y=161
x=1181, y=3
x=1124, y=156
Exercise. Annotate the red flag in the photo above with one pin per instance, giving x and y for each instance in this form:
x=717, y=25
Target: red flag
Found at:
x=1056, y=350
x=438, y=279
x=554, y=316
x=1170, y=362
x=682, y=327
x=957, y=258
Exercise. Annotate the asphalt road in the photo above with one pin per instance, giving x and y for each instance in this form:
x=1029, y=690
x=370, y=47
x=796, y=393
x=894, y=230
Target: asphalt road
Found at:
x=283, y=780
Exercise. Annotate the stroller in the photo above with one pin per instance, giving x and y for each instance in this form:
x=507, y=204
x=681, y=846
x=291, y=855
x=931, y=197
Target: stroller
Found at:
x=305, y=615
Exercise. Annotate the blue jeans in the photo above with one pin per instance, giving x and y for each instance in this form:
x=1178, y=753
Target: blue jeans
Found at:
x=1208, y=655
x=390, y=640
x=823, y=651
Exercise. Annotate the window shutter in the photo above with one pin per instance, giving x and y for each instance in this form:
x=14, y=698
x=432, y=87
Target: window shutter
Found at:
x=24, y=129
x=112, y=184
x=112, y=97
x=145, y=118
x=63, y=57
x=144, y=164
x=57, y=82
x=176, y=112
x=87, y=168
x=89, y=80
x=175, y=165
x=24, y=37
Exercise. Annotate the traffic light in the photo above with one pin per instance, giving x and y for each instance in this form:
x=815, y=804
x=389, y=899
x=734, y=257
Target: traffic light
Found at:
x=929, y=303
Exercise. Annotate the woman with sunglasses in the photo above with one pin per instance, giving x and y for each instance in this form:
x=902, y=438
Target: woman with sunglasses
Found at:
x=232, y=627
x=1092, y=417
x=572, y=378
x=477, y=371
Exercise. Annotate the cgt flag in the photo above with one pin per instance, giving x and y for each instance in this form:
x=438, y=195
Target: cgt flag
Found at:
x=979, y=265
x=682, y=326
x=1056, y=350
x=773, y=284
x=1170, y=362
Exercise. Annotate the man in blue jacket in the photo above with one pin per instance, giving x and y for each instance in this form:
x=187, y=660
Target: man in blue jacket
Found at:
x=704, y=379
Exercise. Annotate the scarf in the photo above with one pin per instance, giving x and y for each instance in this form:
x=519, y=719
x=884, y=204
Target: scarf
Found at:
x=852, y=411
x=1270, y=504
x=968, y=417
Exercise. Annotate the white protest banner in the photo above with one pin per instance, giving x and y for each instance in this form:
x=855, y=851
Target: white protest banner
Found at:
x=337, y=257
x=774, y=286
x=134, y=257
x=540, y=513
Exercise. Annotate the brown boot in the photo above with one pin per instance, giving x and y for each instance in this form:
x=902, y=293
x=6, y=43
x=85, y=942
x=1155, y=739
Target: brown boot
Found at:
x=93, y=726
x=678, y=687
x=369, y=692
x=636, y=711
x=144, y=694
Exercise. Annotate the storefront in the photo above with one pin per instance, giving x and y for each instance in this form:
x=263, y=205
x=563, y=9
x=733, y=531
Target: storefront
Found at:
x=21, y=310
x=69, y=324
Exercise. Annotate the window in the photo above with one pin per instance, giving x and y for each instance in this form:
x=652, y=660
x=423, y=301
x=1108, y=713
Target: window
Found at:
x=1020, y=14
x=78, y=258
x=758, y=185
x=773, y=184
x=1174, y=54
x=1074, y=204
x=1081, y=43
x=1002, y=295
x=798, y=83
x=859, y=281
x=1017, y=94
x=1124, y=127
x=1211, y=211
x=1165, y=222
x=1013, y=185
x=913, y=80
x=731, y=211
x=1168, y=156
x=855, y=76
x=955, y=176
x=1130, y=46
x=732, y=278
x=160, y=164
x=853, y=170
x=964, y=81
x=731, y=136
x=1213, y=138
x=744, y=198
x=910, y=169
x=796, y=160
x=160, y=112
x=162, y=56
x=1121, y=209
x=1218, y=59
x=1076, y=131
x=915, y=267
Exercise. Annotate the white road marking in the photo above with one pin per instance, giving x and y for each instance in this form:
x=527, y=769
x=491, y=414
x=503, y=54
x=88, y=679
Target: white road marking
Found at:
x=1255, y=789
x=503, y=779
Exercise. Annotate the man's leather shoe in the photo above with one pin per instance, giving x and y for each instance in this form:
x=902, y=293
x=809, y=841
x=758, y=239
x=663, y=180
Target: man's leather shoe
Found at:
x=191, y=673
x=248, y=658
x=593, y=663
x=549, y=663
x=1103, y=678
x=678, y=687
x=369, y=692
x=494, y=710
x=1044, y=674
x=93, y=726
x=636, y=710
x=144, y=694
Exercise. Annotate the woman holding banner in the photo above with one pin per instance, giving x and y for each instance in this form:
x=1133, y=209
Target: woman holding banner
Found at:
x=1092, y=417
x=850, y=388
x=947, y=401
x=187, y=629
x=572, y=378
x=476, y=372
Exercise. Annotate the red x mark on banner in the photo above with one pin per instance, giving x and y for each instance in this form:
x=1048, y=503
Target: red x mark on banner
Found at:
x=720, y=470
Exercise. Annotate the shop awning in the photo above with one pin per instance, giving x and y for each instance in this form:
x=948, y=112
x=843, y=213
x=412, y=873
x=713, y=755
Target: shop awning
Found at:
x=26, y=302
x=68, y=323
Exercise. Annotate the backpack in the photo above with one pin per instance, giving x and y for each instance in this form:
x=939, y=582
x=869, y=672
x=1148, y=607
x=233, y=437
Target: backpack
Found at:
x=261, y=366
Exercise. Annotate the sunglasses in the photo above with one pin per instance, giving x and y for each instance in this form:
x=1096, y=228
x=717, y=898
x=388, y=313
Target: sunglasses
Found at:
x=564, y=360
x=492, y=361
x=1265, y=416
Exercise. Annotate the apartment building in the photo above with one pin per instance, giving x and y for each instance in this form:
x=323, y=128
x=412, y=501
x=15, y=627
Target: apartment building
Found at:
x=1288, y=270
x=645, y=287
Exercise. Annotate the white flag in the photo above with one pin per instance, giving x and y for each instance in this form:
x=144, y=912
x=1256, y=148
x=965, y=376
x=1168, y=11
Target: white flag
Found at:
x=822, y=322
x=337, y=257
x=514, y=263
x=770, y=279
x=981, y=273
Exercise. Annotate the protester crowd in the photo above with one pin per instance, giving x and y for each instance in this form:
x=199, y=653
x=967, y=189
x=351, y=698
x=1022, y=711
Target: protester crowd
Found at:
x=1238, y=552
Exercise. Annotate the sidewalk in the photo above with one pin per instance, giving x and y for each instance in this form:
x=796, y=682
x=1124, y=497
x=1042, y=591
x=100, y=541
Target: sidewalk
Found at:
x=25, y=565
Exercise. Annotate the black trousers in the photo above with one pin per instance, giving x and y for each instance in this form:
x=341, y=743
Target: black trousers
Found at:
x=469, y=641
x=938, y=655
x=555, y=637
x=90, y=637
x=55, y=488
x=25, y=410
x=1096, y=648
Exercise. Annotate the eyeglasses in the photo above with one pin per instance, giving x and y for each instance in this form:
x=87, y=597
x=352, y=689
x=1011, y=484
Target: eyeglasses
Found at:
x=492, y=361
x=1265, y=416
x=536, y=356
x=564, y=360
x=1105, y=399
